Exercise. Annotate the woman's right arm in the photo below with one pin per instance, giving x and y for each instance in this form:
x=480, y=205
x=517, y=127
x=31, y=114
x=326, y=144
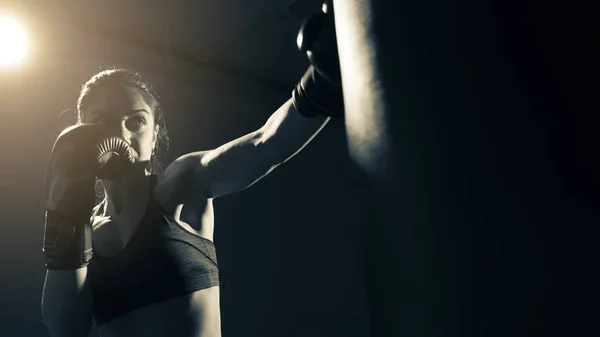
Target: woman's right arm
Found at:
x=69, y=201
x=67, y=303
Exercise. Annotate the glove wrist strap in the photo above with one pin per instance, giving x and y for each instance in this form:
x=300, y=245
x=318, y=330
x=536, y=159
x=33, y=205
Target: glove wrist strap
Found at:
x=67, y=243
x=314, y=96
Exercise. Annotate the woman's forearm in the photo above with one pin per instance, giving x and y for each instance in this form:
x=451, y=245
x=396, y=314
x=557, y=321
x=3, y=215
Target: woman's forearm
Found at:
x=287, y=132
x=67, y=303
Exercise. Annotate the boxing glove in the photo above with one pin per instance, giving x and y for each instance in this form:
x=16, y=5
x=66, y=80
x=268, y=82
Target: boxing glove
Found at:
x=79, y=155
x=319, y=91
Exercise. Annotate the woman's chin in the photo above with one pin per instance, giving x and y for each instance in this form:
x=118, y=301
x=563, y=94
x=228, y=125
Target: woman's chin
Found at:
x=138, y=168
x=127, y=172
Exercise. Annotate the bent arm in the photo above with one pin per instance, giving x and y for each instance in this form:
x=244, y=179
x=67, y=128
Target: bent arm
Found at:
x=242, y=162
x=67, y=303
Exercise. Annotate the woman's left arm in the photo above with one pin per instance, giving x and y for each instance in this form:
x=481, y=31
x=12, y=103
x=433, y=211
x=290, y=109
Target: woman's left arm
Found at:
x=240, y=163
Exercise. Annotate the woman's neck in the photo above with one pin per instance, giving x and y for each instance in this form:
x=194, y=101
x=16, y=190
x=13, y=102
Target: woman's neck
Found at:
x=122, y=193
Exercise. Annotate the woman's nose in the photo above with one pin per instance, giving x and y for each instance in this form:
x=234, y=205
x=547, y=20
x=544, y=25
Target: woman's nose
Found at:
x=120, y=130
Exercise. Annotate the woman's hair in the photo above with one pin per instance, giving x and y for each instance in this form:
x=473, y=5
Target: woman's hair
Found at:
x=122, y=78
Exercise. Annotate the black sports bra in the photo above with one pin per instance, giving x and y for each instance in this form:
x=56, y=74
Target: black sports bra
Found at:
x=161, y=261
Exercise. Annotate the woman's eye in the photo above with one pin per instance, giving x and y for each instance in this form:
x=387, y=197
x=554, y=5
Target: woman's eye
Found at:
x=138, y=121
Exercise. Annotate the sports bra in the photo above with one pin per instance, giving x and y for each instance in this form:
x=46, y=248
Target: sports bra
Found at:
x=161, y=261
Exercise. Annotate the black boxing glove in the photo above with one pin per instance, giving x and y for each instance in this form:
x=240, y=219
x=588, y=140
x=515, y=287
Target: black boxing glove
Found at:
x=78, y=156
x=319, y=92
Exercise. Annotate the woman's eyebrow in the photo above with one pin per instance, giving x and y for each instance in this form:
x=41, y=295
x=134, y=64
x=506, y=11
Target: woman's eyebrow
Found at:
x=131, y=112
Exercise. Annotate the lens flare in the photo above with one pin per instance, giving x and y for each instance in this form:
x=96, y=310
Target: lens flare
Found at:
x=13, y=41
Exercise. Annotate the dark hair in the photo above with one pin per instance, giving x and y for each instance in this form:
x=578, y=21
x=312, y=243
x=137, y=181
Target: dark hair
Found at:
x=114, y=78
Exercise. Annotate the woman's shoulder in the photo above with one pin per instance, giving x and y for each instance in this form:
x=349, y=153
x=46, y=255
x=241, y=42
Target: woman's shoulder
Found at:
x=177, y=182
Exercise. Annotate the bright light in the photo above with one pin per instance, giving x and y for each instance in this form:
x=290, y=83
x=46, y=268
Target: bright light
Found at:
x=13, y=41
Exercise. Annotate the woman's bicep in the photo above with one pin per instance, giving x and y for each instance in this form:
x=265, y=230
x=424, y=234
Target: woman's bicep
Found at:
x=231, y=167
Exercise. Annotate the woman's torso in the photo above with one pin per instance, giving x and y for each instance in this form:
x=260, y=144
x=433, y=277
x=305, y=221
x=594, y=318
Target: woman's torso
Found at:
x=194, y=314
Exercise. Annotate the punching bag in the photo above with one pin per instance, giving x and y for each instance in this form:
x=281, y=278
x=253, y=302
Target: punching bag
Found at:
x=469, y=124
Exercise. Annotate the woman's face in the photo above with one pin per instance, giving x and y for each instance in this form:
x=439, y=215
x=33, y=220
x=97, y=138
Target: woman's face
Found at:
x=126, y=114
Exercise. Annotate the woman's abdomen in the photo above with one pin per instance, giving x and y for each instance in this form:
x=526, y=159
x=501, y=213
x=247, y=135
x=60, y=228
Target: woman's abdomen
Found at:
x=193, y=315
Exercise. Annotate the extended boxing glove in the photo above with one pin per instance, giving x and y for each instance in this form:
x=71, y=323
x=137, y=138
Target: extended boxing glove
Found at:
x=80, y=154
x=319, y=92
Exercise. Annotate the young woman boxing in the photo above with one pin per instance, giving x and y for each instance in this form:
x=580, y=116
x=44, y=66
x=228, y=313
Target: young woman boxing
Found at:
x=145, y=264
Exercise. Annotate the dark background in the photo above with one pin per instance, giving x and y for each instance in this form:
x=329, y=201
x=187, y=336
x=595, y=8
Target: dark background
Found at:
x=288, y=247
x=494, y=223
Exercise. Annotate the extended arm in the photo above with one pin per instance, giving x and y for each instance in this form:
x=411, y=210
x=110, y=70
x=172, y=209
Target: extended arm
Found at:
x=238, y=164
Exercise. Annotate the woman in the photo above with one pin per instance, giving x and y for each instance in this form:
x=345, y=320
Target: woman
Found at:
x=145, y=265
